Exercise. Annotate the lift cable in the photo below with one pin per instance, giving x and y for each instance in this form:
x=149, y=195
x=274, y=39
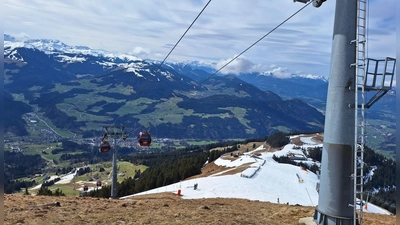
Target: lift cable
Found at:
x=183, y=35
x=159, y=66
x=257, y=41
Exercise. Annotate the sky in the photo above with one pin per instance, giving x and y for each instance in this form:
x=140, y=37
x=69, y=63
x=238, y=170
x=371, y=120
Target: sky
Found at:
x=149, y=30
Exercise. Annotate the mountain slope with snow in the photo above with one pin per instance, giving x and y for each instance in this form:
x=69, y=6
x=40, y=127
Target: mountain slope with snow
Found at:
x=263, y=179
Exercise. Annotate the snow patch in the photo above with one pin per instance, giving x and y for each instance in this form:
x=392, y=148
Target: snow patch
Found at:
x=69, y=59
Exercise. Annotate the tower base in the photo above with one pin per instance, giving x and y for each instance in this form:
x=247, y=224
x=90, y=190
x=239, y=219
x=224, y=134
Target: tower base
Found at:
x=325, y=219
x=307, y=221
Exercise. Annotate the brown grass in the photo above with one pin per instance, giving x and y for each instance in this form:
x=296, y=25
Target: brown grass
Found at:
x=317, y=138
x=212, y=168
x=165, y=208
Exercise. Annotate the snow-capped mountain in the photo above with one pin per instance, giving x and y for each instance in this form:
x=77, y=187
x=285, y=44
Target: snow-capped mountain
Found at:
x=194, y=65
x=100, y=61
x=39, y=75
x=310, y=76
x=212, y=67
x=71, y=54
x=9, y=38
x=97, y=61
x=56, y=47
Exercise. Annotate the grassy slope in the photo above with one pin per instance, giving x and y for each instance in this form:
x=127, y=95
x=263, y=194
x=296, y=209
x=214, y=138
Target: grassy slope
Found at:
x=70, y=190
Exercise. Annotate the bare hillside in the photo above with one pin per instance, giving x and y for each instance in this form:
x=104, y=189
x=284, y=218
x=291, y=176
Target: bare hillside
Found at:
x=166, y=208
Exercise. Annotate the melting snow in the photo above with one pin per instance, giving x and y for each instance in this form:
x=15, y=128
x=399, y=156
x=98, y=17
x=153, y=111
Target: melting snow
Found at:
x=69, y=59
x=307, y=140
x=133, y=70
x=264, y=179
x=269, y=181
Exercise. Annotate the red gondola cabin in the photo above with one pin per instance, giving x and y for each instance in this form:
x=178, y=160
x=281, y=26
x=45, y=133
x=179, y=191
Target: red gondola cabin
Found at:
x=144, y=138
x=105, y=147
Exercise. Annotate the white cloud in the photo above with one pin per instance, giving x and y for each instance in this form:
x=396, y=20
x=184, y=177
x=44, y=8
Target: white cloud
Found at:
x=21, y=36
x=240, y=65
x=224, y=29
x=140, y=52
x=279, y=72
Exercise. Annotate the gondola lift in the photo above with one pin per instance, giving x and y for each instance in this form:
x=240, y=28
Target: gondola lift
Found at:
x=105, y=147
x=144, y=138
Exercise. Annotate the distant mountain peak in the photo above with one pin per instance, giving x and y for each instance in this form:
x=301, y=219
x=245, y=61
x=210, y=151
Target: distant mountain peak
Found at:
x=310, y=76
x=9, y=38
x=51, y=46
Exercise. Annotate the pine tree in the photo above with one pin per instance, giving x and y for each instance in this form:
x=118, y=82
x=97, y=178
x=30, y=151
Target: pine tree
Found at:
x=26, y=191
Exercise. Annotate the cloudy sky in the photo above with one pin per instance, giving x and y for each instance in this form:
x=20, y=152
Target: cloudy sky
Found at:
x=150, y=28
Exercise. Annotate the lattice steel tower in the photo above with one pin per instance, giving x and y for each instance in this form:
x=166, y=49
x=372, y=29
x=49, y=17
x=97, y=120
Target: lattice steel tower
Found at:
x=341, y=191
x=375, y=76
x=359, y=113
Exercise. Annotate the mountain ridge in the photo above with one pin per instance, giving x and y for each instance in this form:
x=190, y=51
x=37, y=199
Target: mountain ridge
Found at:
x=114, y=91
x=50, y=46
x=197, y=78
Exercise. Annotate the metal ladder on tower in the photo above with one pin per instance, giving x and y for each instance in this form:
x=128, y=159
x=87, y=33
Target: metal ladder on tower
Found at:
x=359, y=127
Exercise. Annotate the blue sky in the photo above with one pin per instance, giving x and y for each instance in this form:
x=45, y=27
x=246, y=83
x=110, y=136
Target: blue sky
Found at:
x=149, y=29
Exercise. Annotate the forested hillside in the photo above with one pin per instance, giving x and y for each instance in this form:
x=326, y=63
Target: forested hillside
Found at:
x=382, y=184
x=167, y=168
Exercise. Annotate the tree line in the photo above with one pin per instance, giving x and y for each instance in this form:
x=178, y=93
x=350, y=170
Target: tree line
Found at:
x=164, y=169
x=168, y=167
x=18, y=165
x=382, y=184
x=285, y=159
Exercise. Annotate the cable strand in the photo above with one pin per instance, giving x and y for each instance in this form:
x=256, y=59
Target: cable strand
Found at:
x=183, y=35
x=234, y=58
x=156, y=70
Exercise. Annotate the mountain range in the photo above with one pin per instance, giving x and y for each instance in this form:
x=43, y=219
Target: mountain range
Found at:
x=80, y=89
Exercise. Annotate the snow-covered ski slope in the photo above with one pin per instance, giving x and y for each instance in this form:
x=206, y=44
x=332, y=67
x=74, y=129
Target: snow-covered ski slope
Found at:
x=264, y=179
